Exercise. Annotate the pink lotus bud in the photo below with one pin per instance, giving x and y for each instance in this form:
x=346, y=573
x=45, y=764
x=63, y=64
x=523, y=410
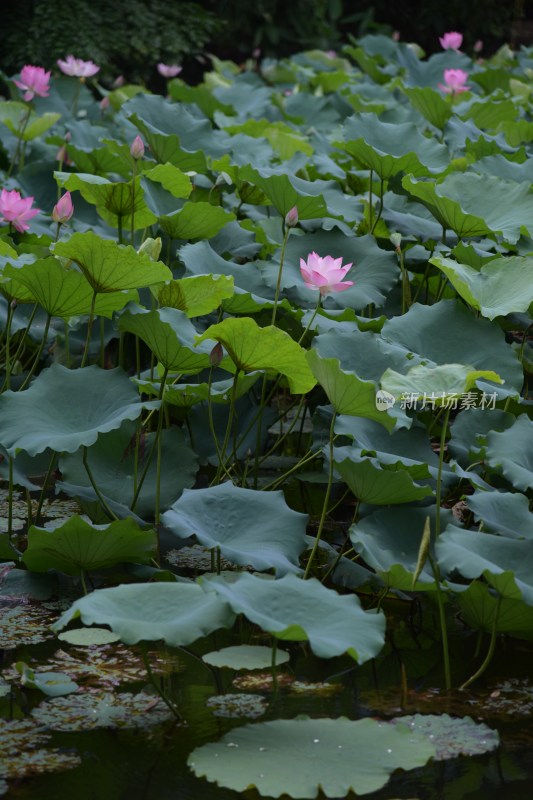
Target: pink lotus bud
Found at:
x=291, y=218
x=118, y=82
x=216, y=355
x=63, y=210
x=396, y=36
x=169, y=70
x=478, y=46
x=137, y=148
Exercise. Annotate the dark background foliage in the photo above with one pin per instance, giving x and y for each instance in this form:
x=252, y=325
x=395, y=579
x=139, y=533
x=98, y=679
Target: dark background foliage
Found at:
x=130, y=36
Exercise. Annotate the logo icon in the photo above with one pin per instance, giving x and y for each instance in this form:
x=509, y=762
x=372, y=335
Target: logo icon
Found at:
x=384, y=400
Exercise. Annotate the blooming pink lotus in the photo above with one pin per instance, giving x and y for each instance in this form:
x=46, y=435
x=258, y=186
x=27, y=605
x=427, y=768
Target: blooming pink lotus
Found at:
x=455, y=80
x=169, y=70
x=451, y=40
x=63, y=209
x=16, y=210
x=33, y=81
x=324, y=274
x=77, y=67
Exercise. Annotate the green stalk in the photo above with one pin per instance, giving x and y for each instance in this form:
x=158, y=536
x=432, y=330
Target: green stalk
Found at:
x=23, y=338
x=156, y=685
x=44, y=487
x=10, y=500
x=89, y=330
x=97, y=491
x=35, y=364
x=370, y=202
x=10, y=312
x=231, y=416
x=490, y=652
x=159, y=447
x=380, y=209
x=286, y=234
x=443, y=626
x=326, y=498
x=438, y=491
x=315, y=312
x=23, y=125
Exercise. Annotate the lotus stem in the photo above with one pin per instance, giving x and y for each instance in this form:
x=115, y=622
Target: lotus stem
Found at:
x=490, y=652
x=35, y=364
x=438, y=491
x=286, y=234
x=159, y=447
x=45, y=487
x=103, y=503
x=326, y=498
x=89, y=330
x=443, y=626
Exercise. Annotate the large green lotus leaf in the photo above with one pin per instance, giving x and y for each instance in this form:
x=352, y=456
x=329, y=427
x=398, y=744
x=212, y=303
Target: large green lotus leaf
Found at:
x=65, y=292
x=167, y=149
x=410, y=447
x=389, y=542
x=196, y=221
x=66, y=409
x=476, y=205
x=158, y=115
x=251, y=348
x=506, y=564
x=489, y=113
x=469, y=432
x=117, y=203
x=503, y=286
x=13, y=114
x=177, y=613
x=110, y=267
x=286, y=141
x=436, y=382
x=283, y=195
x=201, y=95
x=249, y=526
x=197, y=295
x=186, y=395
x=392, y=148
x=468, y=340
x=430, y=104
x=77, y=546
x=333, y=757
x=295, y=610
x=112, y=460
x=200, y=258
x=503, y=168
x=347, y=393
x=503, y=512
x=374, y=271
x=171, y=178
x=372, y=484
x=481, y=611
x=169, y=334
x=512, y=453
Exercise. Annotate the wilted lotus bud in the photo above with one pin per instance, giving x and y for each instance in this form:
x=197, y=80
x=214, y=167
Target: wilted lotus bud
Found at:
x=63, y=209
x=137, y=148
x=104, y=103
x=216, y=355
x=152, y=248
x=291, y=218
x=396, y=240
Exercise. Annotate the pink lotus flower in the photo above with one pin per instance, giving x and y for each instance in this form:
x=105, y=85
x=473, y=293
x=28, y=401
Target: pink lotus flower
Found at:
x=63, y=209
x=16, y=210
x=455, y=80
x=324, y=274
x=33, y=81
x=169, y=70
x=137, y=148
x=451, y=40
x=77, y=68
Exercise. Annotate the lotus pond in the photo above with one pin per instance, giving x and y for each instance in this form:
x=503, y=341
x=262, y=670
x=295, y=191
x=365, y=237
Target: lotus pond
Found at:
x=266, y=437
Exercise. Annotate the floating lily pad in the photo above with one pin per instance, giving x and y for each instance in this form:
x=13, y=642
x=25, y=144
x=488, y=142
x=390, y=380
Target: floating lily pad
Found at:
x=96, y=709
x=19, y=756
x=88, y=637
x=24, y=624
x=316, y=688
x=53, y=684
x=245, y=656
x=234, y=706
x=332, y=755
x=452, y=736
x=261, y=681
